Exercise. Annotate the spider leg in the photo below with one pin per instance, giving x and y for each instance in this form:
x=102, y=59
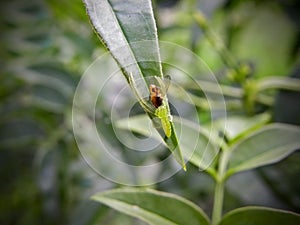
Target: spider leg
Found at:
x=164, y=83
x=146, y=105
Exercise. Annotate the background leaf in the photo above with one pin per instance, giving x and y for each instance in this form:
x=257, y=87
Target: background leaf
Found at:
x=238, y=126
x=267, y=145
x=153, y=207
x=260, y=216
x=197, y=145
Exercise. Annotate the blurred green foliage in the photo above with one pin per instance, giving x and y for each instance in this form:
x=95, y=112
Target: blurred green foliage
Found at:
x=45, y=46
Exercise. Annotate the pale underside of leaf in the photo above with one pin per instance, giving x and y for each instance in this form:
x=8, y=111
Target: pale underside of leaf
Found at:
x=265, y=146
x=153, y=207
x=135, y=211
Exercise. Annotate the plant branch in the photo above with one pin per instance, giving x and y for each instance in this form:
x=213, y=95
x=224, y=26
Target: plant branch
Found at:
x=218, y=202
x=220, y=186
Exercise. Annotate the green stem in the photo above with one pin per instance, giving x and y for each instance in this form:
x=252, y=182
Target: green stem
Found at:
x=218, y=202
x=220, y=186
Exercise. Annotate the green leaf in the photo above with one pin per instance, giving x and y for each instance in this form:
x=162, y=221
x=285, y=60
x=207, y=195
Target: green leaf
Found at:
x=265, y=146
x=283, y=83
x=128, y=30
x=260, y=216
x=239, y=126
x=153, y=207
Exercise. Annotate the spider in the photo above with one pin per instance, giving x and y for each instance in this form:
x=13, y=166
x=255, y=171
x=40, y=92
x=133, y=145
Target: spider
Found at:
x=158, y=105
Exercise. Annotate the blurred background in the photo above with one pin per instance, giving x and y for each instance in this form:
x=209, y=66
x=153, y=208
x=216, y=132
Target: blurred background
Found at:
x=45, y=47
